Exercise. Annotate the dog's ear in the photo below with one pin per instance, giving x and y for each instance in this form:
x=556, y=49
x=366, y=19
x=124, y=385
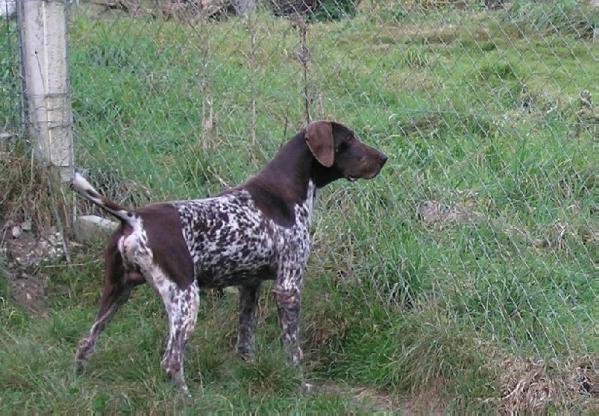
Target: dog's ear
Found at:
x=320, y=141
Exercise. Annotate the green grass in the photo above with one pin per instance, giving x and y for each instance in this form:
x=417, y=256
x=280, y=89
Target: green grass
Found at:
x=476, y=109
x=10, y=80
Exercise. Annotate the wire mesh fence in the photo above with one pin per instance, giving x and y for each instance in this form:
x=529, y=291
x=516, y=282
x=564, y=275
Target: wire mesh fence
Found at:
x=485, y=214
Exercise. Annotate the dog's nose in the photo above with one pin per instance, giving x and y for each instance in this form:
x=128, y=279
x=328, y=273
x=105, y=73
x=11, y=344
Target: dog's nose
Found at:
x=383, y=159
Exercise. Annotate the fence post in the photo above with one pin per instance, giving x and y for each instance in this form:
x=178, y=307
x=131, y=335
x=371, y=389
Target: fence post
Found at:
x=596, y=28
x=43, y=34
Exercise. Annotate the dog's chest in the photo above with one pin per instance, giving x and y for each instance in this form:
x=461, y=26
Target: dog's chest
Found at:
x=231, y=242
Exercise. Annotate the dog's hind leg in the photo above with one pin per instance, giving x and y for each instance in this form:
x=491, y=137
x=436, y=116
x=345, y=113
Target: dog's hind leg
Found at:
x=182, y=308
x=116, y=292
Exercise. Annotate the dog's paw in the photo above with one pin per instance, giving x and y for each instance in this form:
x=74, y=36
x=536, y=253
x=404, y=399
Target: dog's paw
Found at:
x=247, y=358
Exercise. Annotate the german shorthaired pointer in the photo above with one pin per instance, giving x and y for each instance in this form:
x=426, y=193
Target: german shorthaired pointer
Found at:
x=257, y=231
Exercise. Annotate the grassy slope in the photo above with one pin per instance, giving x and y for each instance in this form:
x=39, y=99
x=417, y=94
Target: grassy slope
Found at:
x=471, y=113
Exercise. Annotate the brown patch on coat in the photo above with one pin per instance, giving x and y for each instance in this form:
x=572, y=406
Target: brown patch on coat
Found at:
x=163, y=227
x=282, y=183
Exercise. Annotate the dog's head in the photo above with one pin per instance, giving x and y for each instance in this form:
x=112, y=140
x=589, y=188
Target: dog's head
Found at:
x=340, y=154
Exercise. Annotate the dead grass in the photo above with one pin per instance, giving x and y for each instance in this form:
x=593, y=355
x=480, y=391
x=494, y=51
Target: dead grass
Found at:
x=535, y=386
x=32, y=209
x=432, y=402
x=438, y=214
x=27, y=193
x=363, y=397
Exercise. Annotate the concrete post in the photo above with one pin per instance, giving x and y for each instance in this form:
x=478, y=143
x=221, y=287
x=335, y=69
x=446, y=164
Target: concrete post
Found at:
x=43, y=34
x=596, y=29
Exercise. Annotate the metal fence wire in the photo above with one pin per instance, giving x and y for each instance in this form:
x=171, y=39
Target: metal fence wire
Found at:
x=485, y=214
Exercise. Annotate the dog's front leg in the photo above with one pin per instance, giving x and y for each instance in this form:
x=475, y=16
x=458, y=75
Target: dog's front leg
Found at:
x=288, y=296
x=246, y=339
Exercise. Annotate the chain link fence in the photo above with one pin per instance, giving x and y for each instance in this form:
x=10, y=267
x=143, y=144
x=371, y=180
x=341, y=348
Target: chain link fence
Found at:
x=487, y=206
x=485, y=214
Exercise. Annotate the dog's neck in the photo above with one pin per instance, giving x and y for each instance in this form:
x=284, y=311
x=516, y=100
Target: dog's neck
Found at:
x=290, y=179
x=294, y=166
x=289, y=172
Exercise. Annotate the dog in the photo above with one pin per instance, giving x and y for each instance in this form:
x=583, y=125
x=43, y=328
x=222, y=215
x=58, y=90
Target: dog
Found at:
x=257, y=231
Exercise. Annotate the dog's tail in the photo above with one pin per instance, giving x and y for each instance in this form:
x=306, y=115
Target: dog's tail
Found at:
x=88, y=191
